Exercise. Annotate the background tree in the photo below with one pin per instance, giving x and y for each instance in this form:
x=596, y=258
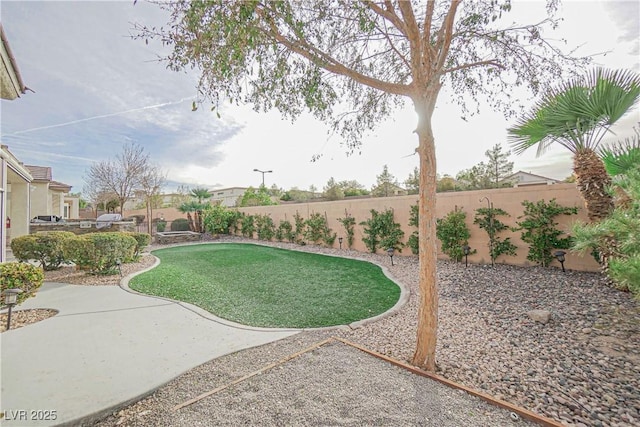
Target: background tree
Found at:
x=200, y=194
x=489, y=174
x=577, y=115
x=253, y=197
x=498, y=166
x=120, y=176
x=352, y=64
x=332, y=190
x=446, y=183
x=385, y=184
x=412, y=183
x=353, y=188
x=151, y=184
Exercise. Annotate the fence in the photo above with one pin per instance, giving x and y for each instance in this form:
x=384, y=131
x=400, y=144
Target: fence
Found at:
x=508, y=199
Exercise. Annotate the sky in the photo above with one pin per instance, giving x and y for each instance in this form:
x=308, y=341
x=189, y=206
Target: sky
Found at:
x=96, y=89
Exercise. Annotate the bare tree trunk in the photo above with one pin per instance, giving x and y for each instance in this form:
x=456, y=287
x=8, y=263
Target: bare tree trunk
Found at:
x=425, y=354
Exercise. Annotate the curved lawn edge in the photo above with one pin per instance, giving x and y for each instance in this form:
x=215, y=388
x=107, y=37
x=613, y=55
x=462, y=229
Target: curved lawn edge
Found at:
x=403, y=298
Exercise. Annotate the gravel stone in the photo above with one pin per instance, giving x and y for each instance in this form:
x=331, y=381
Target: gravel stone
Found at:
x=583, y=368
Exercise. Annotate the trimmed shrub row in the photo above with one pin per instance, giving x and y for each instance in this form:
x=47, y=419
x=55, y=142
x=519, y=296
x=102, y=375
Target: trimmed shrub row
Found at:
x=96, y=253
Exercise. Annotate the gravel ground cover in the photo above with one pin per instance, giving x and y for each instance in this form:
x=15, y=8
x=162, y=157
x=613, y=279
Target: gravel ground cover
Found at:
x=581, y=368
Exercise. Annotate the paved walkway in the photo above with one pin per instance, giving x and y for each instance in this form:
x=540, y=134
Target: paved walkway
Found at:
x=106, y=347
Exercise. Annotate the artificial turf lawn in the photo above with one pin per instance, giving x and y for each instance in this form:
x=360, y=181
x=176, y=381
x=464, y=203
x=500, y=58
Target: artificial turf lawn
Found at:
x=269, y=287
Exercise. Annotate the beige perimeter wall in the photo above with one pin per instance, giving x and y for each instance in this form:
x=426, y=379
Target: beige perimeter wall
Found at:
x=508, y=199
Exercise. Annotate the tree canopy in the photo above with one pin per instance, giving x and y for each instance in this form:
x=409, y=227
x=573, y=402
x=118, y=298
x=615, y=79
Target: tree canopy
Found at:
x=352, y=63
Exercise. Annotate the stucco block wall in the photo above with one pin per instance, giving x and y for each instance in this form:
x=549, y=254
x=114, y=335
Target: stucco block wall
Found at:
x=508, y=199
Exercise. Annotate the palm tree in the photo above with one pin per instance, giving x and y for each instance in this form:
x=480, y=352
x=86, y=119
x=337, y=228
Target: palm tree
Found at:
x=200, y=194
x=577, y=115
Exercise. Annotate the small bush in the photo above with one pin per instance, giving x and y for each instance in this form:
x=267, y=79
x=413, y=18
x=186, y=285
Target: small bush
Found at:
x=247, y=226
x=285, y=231
x=453, y=233
x=180, y=224
x=348, y=222
x=265, y=227
x=142, y=241
x=413, y=241
x=382, y=232
x=99, y=252
x=317, y=230
x=23, y=276
x=45, y=247
x=160, y=226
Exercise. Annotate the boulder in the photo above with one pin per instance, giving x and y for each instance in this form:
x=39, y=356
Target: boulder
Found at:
x=541, y=316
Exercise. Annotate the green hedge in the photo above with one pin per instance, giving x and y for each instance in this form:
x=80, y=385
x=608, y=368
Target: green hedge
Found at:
x=142, y=241
x=22, y=276
x=45, y=247
x=180, y=224
x=99, y=252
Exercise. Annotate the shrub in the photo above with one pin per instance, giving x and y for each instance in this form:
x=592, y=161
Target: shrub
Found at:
x=160, y=226
x=298, y=232
x=317, y=229
x=348, y=222
x=381, y=231
x=540, y=230
x=413, y=241
x=618, y=234
x=219, y=219
x=247, y=225
x=45, y=247
x=180, y=224
x=142, y=241
x=265, y=227
x=99, y=252
x=285, y=231
x=486, y=218
x=453, y=233
x=23, y=276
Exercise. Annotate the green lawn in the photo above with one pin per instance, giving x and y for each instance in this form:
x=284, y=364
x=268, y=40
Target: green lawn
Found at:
x=262, y=286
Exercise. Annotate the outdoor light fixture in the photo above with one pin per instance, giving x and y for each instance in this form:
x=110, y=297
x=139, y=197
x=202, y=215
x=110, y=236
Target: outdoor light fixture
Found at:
x=467, y=250
x=340, y=242
x=262, y=172
x=119, y=264
x=560, y=256
x=390, y=252
x=10, y=299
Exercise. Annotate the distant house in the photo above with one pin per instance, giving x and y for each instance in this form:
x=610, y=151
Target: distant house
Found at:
x=49, y=197
x=388, y=189
x=521, y=179
x=227, y=196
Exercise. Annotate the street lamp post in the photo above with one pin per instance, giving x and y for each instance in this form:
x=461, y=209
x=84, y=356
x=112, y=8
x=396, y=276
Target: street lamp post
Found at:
x=262, y=172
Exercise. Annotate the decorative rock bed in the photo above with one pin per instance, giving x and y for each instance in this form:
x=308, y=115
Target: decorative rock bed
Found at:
x=168, y=237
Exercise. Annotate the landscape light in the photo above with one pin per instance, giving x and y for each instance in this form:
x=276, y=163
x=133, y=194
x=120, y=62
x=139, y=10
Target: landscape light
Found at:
x=560, y=256
x=340, y=242
x=467, y=250
x=119, y=264
x=390, y=252
x=10, y=299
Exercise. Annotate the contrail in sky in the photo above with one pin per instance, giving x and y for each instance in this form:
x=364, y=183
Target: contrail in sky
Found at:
x=102, y=116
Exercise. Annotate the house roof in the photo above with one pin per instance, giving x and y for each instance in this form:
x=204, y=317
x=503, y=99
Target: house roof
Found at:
x=43, y=174
x=55, y=185
x=40, y=173
x=533, y=175
x=11, y=82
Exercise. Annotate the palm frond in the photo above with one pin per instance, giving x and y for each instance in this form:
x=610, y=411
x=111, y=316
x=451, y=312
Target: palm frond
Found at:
x=578, y=113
